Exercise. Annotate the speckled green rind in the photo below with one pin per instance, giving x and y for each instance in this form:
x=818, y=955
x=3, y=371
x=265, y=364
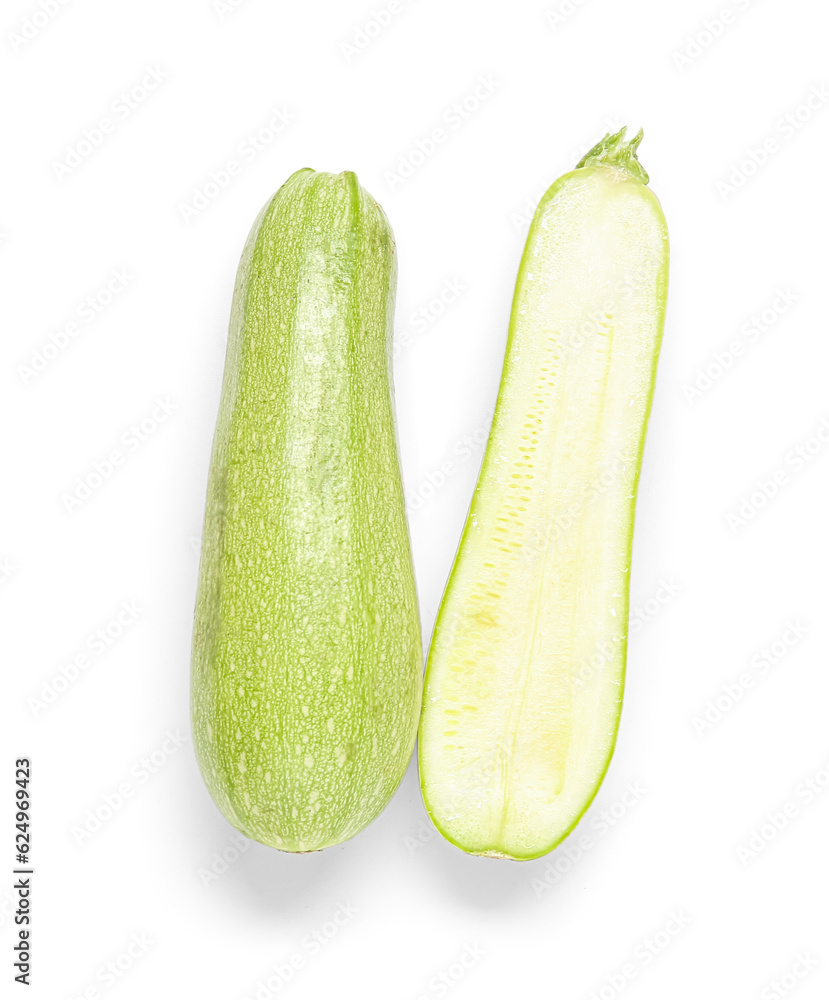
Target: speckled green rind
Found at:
x=306, y=652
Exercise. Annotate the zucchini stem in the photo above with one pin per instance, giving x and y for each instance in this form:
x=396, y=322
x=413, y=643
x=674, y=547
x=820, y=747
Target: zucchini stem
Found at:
x=613, y=151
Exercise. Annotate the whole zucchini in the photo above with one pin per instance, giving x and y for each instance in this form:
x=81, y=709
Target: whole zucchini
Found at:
x=307, y=653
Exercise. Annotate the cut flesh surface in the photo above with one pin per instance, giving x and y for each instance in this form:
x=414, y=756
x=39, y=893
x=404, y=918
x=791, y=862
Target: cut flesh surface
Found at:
x=525, y=676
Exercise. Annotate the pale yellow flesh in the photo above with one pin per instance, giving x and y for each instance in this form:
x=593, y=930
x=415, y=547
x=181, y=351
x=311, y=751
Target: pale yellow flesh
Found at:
x=525, y=676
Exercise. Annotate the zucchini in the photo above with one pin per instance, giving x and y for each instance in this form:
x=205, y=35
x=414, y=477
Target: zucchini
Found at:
x=526, y=670
x=306, y=669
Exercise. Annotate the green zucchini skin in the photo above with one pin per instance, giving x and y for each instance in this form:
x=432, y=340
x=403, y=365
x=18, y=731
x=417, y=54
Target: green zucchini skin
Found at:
x=306, y=668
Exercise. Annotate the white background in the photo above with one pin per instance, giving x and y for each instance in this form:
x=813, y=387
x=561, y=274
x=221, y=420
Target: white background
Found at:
x=561, y=926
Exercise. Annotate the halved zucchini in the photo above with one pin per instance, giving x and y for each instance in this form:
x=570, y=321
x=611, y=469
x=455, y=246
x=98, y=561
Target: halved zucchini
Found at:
x=526, y=669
